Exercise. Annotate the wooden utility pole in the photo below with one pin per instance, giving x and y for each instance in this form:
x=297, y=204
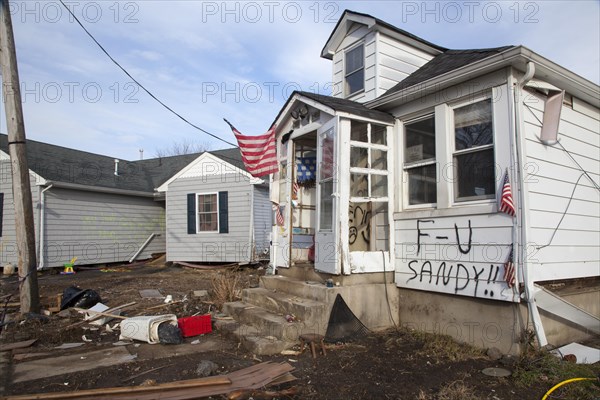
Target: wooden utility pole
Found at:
x=24, y=227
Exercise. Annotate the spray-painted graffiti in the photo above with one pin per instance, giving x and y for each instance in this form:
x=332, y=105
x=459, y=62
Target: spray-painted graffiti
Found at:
x=454, y=262
x=360, y=226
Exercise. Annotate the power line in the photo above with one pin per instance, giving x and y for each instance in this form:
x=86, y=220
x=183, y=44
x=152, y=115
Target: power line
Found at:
x=139, y=84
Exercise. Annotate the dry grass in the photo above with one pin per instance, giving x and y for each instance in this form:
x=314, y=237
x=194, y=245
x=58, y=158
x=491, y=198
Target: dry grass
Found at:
x=226, y=286
x=457, y=390
x=443, y=347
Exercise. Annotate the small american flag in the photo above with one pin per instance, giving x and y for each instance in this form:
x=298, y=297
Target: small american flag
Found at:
x=506, y=200
x=509, y=269
x=279, y=216
x=296, y=187
x=258, y=152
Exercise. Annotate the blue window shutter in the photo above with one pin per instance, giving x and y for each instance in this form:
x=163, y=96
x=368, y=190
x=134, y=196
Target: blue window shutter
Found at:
x=223, y=213
x=1, y=211
x=191, y=213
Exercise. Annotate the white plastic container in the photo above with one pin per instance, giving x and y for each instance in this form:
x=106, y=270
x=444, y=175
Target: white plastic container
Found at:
x=8, y=269
x=145, y=328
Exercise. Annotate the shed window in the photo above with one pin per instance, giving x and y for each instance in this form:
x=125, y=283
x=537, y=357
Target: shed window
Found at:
x=420, y=161
x=474, y=152
x=208, y=213
x=354, y=70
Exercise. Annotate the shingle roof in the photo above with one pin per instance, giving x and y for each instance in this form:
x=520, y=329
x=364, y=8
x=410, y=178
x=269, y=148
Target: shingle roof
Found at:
x=443, y=63
x=62, y=164
x=345, y=105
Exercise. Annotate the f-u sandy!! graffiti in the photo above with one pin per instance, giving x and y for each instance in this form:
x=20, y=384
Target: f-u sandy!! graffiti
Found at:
x=458, y=276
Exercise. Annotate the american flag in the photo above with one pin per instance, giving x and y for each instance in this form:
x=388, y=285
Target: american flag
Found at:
x=509, y=270
x=506, y=200
x=279, y=216
x=258, y=152
x=296, y=187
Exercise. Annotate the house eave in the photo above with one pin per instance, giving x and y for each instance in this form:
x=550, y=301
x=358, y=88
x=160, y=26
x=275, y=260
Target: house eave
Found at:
x=97, y=189
x=517, y=57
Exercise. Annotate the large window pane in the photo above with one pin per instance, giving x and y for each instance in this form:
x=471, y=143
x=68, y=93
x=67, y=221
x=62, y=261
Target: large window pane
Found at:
x=326, y=206
x=207, y=212
x=473, y=125
x=420, y=141
x=422, y=185
x=328, y=160
x=475, y=174
x=354, y=70
x=378, y=134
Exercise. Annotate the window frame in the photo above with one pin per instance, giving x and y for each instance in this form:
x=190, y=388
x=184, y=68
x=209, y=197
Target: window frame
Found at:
x=420, y=163
x=456, y=200
x=347, y=73
x=198, y=230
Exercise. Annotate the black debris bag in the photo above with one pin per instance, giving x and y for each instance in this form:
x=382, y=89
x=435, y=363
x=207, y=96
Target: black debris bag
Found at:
x=169, y=333
x=81, y=298
x=343, y=325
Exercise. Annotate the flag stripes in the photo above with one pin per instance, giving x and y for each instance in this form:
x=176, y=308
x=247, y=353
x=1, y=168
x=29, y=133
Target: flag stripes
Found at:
x=506, y=200
x=509, y=270
x=259, y=153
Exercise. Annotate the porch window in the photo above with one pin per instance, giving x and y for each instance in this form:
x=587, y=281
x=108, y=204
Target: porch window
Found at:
x=368, y=216
x=326, y=174
x=473, y=155
x=208, y=213
x=420, y=160
x=354, y=77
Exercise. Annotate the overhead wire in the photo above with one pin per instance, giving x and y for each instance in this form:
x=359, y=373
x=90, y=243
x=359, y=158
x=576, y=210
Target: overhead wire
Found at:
x=139, y=84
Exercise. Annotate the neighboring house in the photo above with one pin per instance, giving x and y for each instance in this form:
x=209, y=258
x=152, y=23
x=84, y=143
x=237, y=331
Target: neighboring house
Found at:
x=217, y=212
x=411, y=154
x=93, y=207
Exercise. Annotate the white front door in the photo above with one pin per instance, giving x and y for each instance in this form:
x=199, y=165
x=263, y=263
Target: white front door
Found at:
x=327, y=249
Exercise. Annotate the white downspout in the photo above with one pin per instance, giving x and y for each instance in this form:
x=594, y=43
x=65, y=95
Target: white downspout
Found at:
x=42, y=233
x=251, y=233
x=523, y=201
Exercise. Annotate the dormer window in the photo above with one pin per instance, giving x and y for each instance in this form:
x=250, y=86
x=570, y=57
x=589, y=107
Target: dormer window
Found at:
x=354, y=73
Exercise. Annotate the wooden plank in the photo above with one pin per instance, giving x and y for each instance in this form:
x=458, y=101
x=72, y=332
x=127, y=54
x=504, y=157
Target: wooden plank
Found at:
x=17, y=345
x=98, y=313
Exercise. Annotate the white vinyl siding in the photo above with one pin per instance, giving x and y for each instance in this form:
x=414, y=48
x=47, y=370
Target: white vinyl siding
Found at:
x=553, y=180
x=263, y=215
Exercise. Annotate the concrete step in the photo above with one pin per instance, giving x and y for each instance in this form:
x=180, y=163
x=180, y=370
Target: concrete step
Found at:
x=264, y=322
x=284, y=303
x=303, y=272
x=305, y=289
x=251, y=339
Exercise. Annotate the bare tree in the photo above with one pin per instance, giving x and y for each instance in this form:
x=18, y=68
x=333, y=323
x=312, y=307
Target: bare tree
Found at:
x=183, y=147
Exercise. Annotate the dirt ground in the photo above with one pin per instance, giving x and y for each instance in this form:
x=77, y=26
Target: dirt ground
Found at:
x=395, y=364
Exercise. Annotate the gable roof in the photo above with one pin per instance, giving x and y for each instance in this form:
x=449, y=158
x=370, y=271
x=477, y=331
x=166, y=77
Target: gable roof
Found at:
x=443, y=63
x=339, y=104
x=61, y=164
x=348, y=17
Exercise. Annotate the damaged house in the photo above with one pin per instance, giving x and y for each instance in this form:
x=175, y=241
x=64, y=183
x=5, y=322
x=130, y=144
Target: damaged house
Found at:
x=105, y=210
x=449, y=191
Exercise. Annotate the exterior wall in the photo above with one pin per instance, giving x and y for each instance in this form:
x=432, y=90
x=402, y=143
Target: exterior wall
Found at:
x=387, y=62
x=553, y=179
x=99, y=227
x=455, y=247
x=263, y=215
x=8, y=244
x=483, y=323
x=234, y=246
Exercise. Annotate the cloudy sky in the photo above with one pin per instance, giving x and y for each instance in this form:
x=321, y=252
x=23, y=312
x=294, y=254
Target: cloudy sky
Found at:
x=239, y=60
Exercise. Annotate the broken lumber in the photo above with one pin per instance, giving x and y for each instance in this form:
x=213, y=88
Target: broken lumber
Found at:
x=17, y=345
x=100, y=313
x=252, y=378
x=100, y=316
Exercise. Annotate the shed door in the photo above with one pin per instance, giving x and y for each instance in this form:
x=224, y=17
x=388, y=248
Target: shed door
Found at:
x=326, y=245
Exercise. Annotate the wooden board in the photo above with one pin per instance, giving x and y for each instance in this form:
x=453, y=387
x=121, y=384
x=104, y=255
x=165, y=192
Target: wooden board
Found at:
x=17, y=345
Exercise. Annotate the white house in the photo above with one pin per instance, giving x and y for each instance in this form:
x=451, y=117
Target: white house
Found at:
x=410, y=155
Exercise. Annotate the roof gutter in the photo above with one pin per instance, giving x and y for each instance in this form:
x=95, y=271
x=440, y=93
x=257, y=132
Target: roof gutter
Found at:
x=99, y=189
x=517, y=56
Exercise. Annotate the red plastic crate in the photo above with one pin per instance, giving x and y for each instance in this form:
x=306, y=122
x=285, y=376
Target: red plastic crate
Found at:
x=193, y=326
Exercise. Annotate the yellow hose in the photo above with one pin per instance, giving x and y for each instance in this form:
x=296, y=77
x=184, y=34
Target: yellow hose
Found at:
x=564, y=383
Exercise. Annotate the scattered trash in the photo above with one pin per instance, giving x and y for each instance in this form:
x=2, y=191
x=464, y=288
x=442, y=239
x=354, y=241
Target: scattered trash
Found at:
x=290, y=318
x=168, y=299
x=169, y=333
x=292, y=360
x=151, y=294
x=144, y=328
x=197, y=341
x=96, y=311
x=77, y=297
x=290, y=353
x=206, y=368
x=195, y=325
x=200, y=294
x=85, y=339
x=65, y=346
